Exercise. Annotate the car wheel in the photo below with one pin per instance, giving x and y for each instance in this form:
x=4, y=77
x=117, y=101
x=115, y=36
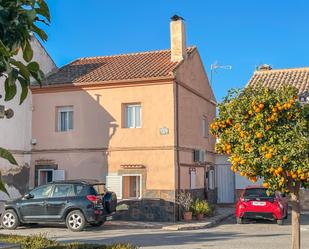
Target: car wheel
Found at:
x=97, y=224
x=239, y=220
x=10, y=220
x=280, y=222
x=75, y=221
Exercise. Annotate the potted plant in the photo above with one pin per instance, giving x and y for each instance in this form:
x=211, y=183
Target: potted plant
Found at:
x=185, y=200
x=200, y=208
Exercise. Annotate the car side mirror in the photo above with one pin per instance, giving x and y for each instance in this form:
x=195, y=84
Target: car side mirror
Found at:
x=28, y=196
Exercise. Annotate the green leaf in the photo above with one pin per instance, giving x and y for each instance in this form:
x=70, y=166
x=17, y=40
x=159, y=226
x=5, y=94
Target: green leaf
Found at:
x=27, y=52
x=41, y=33
x=10, y=86
x=33, y=66
x=43, y=9
x=24, y=89
x=5, y=154
x=23, y=70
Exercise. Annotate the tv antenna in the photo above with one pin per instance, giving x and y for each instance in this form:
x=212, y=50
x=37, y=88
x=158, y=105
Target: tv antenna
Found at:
x=215, y=66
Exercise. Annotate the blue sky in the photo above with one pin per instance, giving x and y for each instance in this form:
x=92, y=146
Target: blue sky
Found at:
x=240, y=33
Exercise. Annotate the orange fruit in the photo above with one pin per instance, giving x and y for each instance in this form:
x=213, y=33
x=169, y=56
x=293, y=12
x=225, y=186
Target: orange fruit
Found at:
x=302, y=177
x=278, y=104
x=253, y=179
x=242, y=173
x=265, y=185
x=257, y=110
x=261, y=106
x=274, y=109
x=242, y=161
x=294, y=176
x=268, y=155
x=280, y=169
x=285, y=159
x=259, y=134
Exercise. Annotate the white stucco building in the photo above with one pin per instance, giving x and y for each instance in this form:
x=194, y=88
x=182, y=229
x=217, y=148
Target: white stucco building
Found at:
x=15, y=133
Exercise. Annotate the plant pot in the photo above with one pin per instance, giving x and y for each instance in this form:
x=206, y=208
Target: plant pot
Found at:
x=187, y=216
x=199, y=216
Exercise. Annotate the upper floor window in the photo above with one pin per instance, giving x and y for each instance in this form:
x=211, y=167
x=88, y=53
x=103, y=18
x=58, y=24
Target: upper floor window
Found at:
x=65, y=118
x=133, y=116
x=205, y=127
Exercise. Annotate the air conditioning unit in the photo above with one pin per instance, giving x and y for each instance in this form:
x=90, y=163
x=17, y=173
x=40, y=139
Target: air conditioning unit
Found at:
x=199, y=156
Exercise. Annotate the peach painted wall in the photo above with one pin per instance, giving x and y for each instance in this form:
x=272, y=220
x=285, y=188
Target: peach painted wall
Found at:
x=98, y=118
x=194, y=103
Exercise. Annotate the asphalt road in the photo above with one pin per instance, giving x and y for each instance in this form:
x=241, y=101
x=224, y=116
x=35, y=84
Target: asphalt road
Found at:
x=257, y=235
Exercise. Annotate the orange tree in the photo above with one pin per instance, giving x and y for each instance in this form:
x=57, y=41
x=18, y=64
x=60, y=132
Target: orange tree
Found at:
x=265, y=134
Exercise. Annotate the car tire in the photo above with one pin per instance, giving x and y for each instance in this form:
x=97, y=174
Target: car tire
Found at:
x=97, y=224
x=75, y=221
x=239, y=220
x=280, y=222
x=10, y=220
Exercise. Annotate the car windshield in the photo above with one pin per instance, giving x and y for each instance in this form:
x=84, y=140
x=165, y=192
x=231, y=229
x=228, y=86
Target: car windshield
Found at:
x=257, y=192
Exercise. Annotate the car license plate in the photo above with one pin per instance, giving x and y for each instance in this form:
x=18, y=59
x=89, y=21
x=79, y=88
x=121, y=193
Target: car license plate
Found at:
x=258, y=203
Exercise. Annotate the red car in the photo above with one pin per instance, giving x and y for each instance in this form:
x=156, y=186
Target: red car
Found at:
x=254, y=203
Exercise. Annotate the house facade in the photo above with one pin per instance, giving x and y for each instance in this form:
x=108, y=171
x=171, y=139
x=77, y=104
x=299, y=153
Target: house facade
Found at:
x=16, y=133
x=138, y=122
x=273, y=78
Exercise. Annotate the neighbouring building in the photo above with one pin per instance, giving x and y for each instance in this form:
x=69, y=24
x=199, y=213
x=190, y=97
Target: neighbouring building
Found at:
x=138, y=122
x=272, y=78
x=16, y=134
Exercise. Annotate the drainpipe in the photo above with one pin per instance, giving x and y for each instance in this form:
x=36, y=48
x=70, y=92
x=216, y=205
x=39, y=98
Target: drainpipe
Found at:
x=177, y=141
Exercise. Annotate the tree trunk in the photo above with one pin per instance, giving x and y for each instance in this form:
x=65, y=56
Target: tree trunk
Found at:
x=295, y=219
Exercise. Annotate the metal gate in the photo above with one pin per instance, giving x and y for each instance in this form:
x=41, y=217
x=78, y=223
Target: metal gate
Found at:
x=225, y=184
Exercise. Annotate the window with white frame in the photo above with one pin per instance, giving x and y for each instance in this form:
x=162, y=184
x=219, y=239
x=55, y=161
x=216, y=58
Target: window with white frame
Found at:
x=127, y=186
x=65, y=118
x=133, y=115
x=192, y=172
x=205, y=127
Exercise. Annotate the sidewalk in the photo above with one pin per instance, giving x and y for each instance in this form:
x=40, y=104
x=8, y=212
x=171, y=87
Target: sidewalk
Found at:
x=221, y=214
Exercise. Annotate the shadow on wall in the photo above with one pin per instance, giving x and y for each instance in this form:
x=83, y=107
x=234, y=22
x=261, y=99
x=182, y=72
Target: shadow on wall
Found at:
x=93, y=127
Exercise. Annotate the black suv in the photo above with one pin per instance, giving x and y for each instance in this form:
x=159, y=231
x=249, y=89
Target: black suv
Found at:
x=75, y=202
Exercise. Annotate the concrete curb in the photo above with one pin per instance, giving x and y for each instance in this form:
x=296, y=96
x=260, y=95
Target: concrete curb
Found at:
x=198, y=225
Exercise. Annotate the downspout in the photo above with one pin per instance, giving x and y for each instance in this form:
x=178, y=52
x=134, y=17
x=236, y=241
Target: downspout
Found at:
x=177, y=142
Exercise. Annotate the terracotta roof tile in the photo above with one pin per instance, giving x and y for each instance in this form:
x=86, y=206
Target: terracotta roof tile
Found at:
x=297, y=77
x=143, y=65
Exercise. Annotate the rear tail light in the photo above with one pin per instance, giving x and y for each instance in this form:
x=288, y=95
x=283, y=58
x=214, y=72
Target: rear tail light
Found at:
x=94, y=199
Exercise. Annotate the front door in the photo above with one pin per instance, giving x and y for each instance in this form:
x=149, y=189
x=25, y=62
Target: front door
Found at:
x=34, y=208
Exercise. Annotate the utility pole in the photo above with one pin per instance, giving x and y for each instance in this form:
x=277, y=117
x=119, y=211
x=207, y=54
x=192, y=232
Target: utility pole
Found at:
x=214, y=67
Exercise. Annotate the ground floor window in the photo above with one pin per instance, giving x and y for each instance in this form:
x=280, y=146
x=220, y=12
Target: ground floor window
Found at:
x=126, y=186
x=131, y=186
x=47, y=173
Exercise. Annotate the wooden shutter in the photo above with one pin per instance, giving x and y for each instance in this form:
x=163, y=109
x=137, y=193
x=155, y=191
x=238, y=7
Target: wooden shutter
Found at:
x=114, y=183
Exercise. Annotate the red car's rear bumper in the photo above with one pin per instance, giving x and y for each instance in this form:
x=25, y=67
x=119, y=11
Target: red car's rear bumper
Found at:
x=269, y=211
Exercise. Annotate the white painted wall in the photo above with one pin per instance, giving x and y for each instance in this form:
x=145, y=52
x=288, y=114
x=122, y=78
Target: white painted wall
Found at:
x=15, y=133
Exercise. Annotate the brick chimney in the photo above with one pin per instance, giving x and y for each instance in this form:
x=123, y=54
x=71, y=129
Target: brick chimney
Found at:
x=178, y=38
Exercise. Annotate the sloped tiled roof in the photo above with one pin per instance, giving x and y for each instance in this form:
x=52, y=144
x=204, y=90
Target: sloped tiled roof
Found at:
x=152, y=64
x=297, y=77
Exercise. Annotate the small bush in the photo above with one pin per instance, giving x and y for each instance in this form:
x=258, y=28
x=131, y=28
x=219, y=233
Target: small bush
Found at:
x=41, y=242
x=200, y=207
